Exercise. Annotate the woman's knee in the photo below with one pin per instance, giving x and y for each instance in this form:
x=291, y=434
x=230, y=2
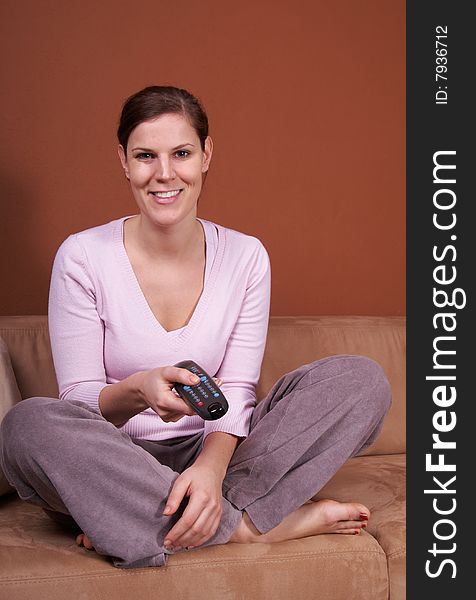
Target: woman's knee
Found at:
x=359, y=375
x=375, y=388
x=27, y=412
x=25, y=419
x=17, y=435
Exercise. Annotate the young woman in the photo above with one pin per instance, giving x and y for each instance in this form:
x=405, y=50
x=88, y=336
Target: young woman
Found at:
x=122, y=455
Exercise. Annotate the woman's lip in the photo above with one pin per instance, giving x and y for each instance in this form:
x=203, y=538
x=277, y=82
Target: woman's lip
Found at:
x=168, y=200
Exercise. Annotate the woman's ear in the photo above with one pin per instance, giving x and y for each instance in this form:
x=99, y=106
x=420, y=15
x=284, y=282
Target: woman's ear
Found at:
x=207, y=154
x=123, y=159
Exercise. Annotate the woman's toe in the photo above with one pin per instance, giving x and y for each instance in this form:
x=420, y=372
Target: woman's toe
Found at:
x=83, y=540
x=349, y=531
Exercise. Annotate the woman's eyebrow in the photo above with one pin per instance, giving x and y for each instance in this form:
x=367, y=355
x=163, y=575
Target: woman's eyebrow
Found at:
x=182, y=145
x=173, y=149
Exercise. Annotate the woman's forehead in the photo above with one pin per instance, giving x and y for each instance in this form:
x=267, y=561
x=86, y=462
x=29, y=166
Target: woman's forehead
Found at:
x=165, y=130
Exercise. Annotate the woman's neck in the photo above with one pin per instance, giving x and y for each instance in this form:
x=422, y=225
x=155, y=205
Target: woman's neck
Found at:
x=172, y=243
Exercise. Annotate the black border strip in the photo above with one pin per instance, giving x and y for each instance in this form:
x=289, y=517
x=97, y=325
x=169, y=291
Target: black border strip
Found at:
x=440, y=120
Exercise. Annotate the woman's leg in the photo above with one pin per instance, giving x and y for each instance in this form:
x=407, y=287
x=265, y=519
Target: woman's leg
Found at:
x=310, y=423
x=67, y=458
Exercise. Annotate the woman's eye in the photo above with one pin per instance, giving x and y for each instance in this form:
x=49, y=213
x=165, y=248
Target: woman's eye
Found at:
x=182, y=153
x=144, y=156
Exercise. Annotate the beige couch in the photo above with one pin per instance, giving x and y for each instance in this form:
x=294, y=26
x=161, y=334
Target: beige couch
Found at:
x=40, y=560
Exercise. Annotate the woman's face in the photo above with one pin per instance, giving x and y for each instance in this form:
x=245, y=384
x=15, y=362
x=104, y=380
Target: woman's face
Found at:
x=165, y=164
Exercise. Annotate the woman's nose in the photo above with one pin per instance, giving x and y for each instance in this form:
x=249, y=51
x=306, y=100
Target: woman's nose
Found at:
x=165, y=170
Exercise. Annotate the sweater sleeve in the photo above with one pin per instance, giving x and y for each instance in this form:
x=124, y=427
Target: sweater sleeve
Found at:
x=241, y=365
x=76, y=330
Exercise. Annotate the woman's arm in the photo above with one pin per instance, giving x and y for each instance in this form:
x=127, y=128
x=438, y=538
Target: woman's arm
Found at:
x=241, y=365
x=75, y=328
x=77, y=342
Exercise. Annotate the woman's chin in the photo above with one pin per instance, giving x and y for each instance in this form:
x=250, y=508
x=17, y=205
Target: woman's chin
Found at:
x=169, y=215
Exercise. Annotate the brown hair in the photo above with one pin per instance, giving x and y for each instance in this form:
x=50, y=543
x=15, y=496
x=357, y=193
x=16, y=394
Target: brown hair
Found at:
x=156, y=100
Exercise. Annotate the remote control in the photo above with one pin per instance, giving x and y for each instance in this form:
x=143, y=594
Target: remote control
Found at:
x=205, y=396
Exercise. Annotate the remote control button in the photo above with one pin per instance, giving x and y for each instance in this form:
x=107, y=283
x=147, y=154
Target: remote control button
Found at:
x=203, y=378
x=186, y=387
x=200, y=403
x=216, y=395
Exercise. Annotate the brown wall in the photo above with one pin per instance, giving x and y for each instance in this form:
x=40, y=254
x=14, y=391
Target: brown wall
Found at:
x=306, y=101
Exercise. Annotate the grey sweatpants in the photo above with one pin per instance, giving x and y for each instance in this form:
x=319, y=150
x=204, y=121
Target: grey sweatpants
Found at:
x=66, y=458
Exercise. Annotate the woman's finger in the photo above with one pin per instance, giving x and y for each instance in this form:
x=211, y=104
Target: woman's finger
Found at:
x=172, y=407
x=187, y=520
x=202, y=529
x=179, y=375
x=215, y=523
x=177, y=494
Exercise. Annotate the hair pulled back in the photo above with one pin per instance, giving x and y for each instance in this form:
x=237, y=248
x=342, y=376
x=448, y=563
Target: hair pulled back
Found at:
x=157, y=100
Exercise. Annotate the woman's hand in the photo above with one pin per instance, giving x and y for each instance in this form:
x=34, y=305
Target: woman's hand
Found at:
x=156, y=390
x=202, y=485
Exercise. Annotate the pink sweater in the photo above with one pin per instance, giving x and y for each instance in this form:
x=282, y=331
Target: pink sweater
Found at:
x=103, y=330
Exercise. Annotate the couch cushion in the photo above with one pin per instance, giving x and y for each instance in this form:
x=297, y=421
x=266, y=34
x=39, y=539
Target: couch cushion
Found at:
x=9, y=396
x=294, y=341
x=28, y=342
x=39, y=559
x=378, y=482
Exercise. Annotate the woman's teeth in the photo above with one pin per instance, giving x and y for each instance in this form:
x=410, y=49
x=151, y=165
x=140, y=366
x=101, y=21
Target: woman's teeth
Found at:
x=165, y=194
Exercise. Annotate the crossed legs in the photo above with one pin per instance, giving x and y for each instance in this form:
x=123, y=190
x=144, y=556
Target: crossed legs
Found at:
x=67, y=458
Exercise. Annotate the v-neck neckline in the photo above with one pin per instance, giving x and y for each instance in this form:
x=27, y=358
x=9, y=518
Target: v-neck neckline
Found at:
x=210, y=273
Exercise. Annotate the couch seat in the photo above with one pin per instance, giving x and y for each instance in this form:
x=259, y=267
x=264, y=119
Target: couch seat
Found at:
x=40, y=560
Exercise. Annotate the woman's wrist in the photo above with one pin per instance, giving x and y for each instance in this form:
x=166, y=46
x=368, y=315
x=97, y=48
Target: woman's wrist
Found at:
x=136, y=382
x=217, y=451
x=118, y=402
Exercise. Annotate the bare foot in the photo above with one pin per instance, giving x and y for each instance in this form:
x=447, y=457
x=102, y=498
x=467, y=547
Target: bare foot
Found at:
x=313, y=518
x=83, y=540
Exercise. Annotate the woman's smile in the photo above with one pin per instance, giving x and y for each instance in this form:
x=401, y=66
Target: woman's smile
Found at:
x=166, y=197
